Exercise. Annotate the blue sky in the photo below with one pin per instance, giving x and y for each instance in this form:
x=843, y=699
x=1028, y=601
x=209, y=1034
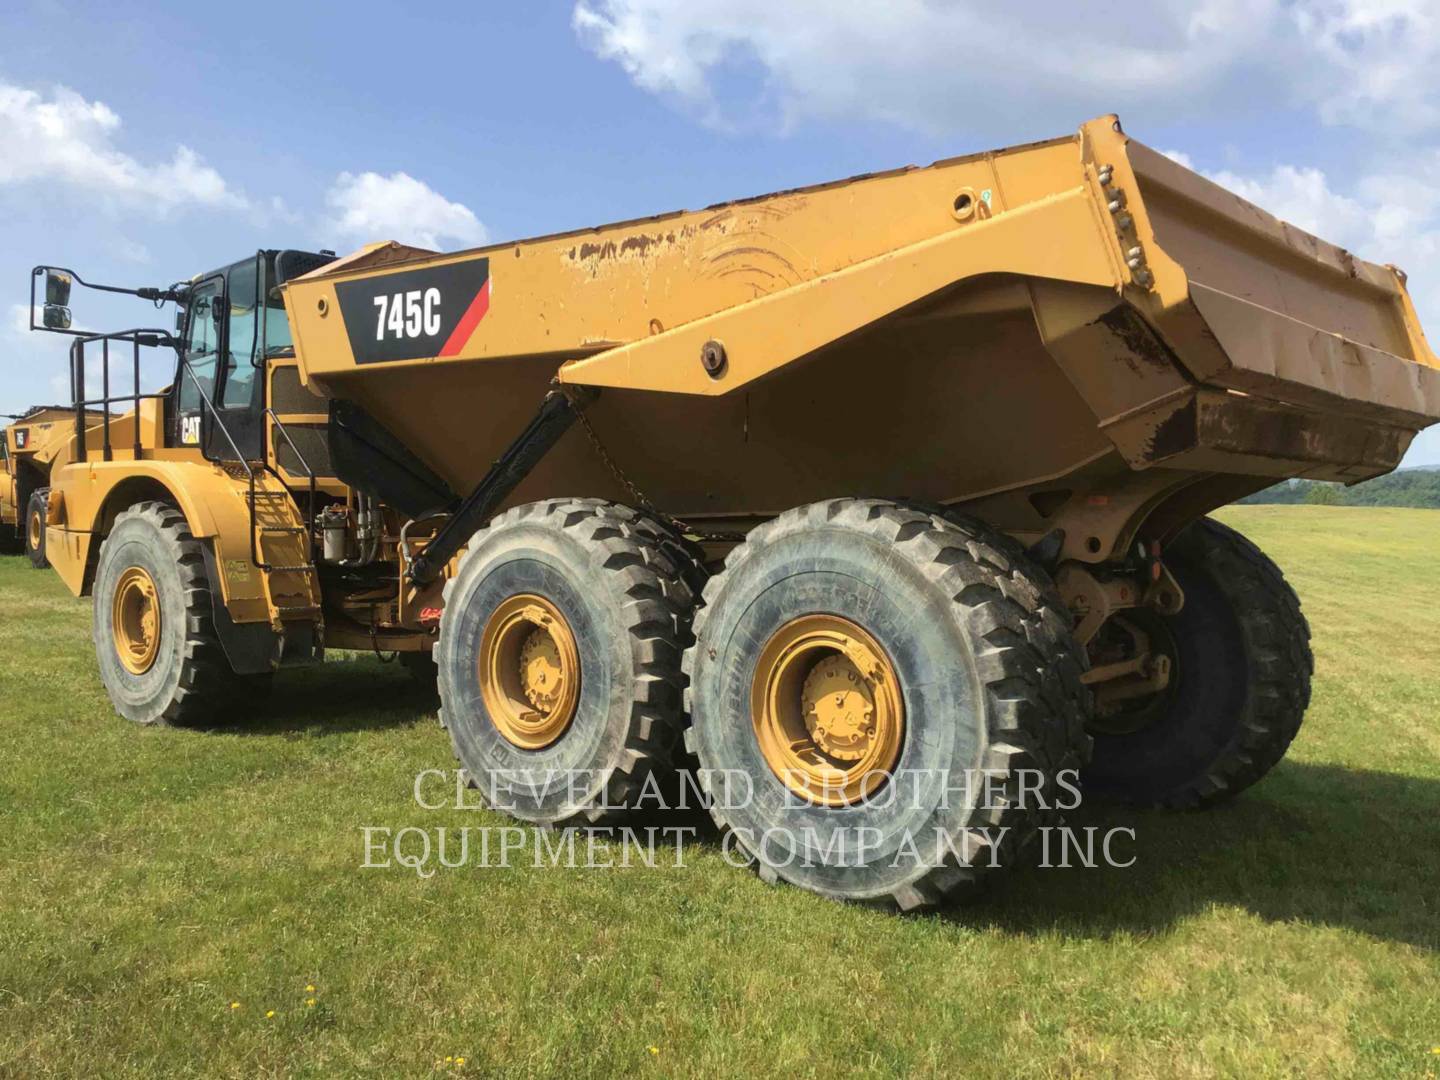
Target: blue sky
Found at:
x=144, y=142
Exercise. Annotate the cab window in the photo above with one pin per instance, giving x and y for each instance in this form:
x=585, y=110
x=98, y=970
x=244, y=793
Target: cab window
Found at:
x=240, y=358
x=201, y=346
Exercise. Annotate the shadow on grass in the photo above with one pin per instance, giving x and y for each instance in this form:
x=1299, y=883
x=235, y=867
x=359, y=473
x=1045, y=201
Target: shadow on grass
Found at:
x=331, y=699
x=1318, y=844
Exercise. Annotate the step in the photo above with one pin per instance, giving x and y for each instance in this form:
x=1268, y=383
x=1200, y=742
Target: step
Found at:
x=294, y=609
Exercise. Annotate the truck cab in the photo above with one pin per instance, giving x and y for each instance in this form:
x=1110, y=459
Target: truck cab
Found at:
x=226, y=474
x=231, y=327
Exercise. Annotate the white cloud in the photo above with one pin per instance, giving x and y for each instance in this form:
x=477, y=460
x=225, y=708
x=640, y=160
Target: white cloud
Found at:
x=368, y=207
x=950, y=65
x=1372, y=61
x=68, y=140
x=938, y=66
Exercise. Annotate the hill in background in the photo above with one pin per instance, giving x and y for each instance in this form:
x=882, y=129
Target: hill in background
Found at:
x=1415, y=487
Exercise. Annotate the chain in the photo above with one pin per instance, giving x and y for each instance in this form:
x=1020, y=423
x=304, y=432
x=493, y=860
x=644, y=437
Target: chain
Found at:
x=375, y=643
x=641, y=499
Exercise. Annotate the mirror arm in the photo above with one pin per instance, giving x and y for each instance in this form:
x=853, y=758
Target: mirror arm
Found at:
x=174, y=292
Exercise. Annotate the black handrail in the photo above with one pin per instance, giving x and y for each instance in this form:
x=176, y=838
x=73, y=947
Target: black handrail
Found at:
x=150, y=338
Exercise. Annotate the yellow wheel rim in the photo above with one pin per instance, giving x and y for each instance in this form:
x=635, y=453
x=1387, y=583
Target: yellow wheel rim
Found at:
x=37, y=530
x=529, y=670
x=827, y=710
x=135, y=615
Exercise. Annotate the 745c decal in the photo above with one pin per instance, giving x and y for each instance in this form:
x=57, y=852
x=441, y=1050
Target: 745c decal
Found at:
x=407, y=314
x=415, y=314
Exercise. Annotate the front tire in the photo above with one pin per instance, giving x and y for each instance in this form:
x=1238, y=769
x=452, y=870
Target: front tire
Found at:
x=559, y=659
x=840, y=625
x=1240, y=686
x=35, y=513
x=160, y=659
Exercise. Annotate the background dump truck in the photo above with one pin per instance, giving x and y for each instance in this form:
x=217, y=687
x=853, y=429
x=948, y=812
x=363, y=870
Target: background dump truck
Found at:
x=30, y=444
x=853, y=496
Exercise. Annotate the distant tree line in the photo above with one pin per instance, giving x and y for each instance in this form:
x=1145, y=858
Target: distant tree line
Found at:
x=1412, y=487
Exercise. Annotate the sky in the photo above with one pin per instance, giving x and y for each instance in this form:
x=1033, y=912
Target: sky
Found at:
x=145, y=142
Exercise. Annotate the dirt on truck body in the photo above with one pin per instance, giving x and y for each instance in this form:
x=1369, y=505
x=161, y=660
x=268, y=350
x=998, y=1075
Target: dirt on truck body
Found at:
x=862, y=493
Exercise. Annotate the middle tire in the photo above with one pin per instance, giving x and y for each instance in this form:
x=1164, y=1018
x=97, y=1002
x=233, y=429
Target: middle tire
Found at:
x=559, y=659
x=861, y=670
x=36, y=510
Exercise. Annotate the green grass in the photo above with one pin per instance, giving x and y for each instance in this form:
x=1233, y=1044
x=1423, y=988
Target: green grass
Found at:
x=150, y=878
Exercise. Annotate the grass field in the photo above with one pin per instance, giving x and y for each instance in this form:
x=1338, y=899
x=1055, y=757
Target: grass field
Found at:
x=163, y=892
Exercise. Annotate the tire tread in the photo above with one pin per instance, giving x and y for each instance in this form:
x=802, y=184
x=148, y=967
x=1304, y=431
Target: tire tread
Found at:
x=657, y=572
x=1028, y=660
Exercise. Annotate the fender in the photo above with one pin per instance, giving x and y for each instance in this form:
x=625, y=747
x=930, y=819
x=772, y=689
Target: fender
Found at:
x=213, y=501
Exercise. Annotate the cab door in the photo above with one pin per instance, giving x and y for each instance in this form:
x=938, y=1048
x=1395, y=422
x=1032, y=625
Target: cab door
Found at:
x=199, y=362
x=241, y=401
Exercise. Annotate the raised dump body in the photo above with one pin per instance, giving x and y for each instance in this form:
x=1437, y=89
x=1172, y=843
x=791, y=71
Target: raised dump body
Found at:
x=1078, y=334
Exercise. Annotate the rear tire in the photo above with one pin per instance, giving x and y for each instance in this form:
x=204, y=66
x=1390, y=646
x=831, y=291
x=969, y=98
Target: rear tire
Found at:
x=1241, y=683
x=988, y=678
x=606, y=583
x=160, y=659
x=35, y=512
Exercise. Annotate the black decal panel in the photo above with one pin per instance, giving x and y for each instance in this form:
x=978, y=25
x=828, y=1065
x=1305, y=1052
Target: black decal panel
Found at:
x=416, y=313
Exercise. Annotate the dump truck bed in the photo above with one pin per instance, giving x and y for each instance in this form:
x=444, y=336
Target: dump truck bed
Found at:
x=31, y=444
x=1073, y=335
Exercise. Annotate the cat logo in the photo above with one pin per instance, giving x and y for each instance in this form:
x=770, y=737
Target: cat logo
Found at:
x=190, y=430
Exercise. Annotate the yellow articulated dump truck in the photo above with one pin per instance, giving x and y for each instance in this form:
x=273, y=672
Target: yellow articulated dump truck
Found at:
x=29, y=446
x=881, y=502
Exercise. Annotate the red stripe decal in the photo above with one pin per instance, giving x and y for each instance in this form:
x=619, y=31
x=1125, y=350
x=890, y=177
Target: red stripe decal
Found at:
x=471, y=319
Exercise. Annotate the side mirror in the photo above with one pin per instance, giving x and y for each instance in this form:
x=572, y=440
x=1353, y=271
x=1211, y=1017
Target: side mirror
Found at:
x=57, y=290
x=55, y=316
x=179, y=321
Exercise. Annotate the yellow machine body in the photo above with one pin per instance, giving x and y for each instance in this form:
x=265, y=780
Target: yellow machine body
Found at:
x=1077, y=335
x=86, y=496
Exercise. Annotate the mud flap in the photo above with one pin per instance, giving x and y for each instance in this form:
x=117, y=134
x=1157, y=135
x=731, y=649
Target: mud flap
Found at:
x=251, y=648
